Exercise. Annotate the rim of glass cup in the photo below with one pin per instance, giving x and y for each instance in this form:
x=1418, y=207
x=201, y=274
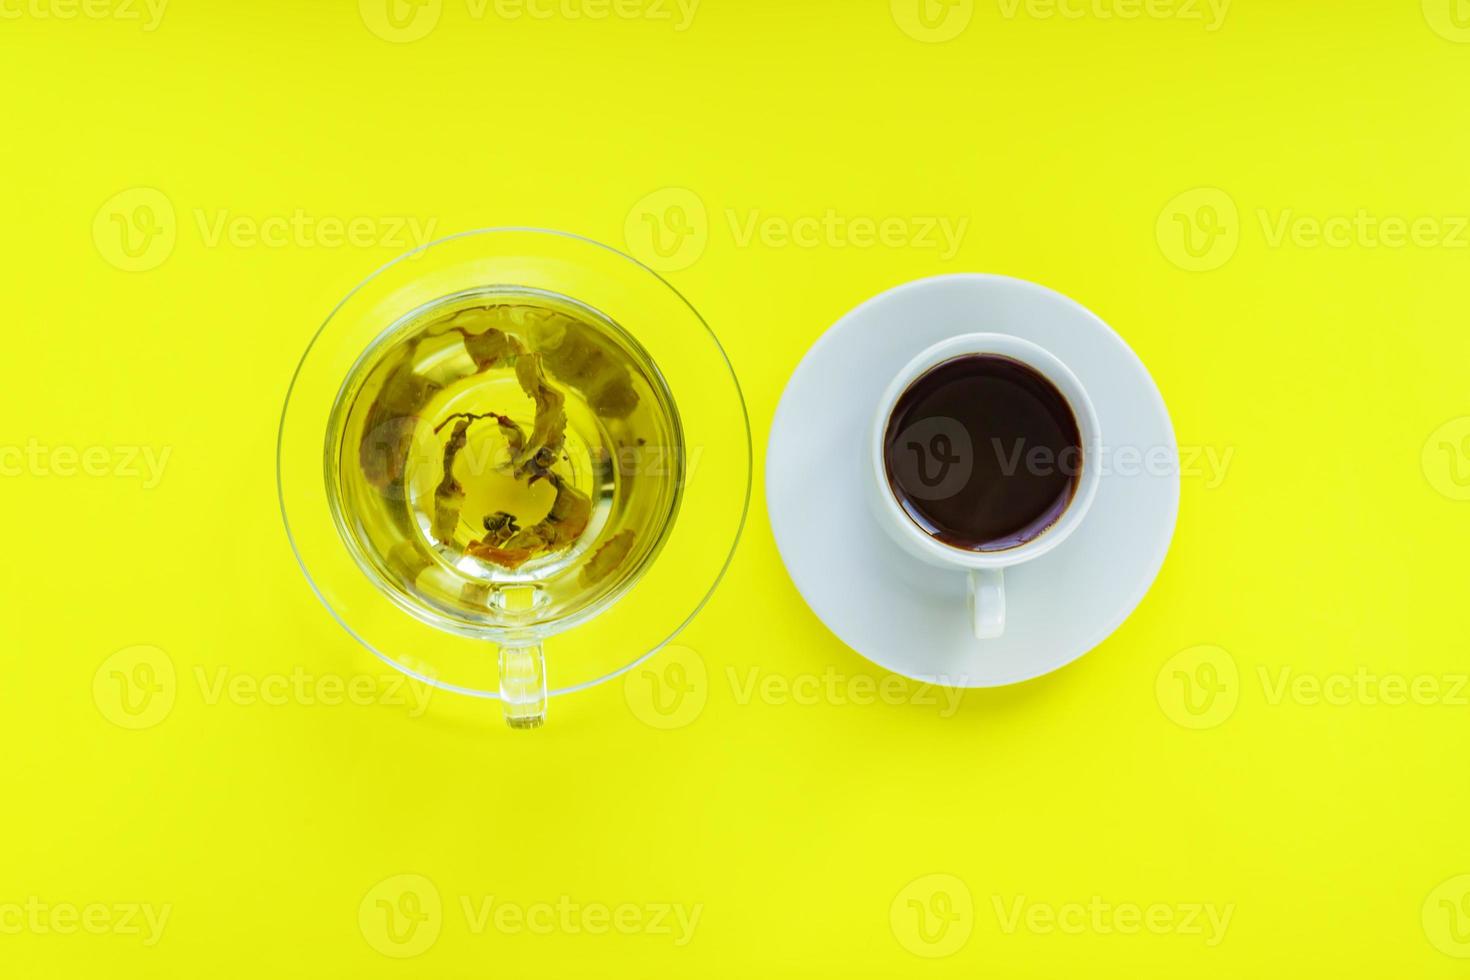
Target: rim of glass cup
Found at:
x=535, y=633
x=457, y=688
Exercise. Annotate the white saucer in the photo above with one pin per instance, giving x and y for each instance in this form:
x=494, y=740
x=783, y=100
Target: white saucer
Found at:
x=907, y=616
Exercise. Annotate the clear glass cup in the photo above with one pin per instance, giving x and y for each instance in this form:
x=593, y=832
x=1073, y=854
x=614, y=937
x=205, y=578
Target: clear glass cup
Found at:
x=502, y=656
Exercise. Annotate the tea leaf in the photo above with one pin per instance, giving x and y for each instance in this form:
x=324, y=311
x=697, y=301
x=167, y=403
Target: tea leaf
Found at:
x=515, y=437
x=491, y=348
x=511, y=547
x=499, y=526
x=582, y=361
x=570, y=513
x=449, y=495
x=548, y=429
x=484, y=339
x=408, y=561
x=387, y=433
x=608, y=557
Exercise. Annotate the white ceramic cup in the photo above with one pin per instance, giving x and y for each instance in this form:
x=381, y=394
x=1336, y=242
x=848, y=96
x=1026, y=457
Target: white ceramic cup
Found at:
x=985, y=569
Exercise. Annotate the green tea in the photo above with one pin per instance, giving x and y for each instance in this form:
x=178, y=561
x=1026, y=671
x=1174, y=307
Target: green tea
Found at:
x=505, y=459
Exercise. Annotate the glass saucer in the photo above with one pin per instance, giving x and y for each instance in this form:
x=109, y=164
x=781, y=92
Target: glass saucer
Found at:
x=698, y=545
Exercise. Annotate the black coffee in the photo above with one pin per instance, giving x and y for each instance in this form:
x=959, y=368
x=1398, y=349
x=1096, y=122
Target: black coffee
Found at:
x=983, y=452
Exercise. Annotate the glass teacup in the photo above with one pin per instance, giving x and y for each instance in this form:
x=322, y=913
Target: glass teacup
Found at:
x=527, y=435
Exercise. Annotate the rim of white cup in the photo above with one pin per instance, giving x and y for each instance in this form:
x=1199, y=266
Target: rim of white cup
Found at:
x=1049, y=366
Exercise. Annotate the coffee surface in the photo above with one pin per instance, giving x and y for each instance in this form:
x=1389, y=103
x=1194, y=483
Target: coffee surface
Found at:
x=983, y=453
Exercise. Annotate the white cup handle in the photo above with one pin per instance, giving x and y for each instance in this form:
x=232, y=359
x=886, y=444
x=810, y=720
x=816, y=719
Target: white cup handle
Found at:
x=988, y=602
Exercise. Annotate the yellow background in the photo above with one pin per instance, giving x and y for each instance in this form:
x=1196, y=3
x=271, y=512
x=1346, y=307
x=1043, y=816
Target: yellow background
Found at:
x=271, y=826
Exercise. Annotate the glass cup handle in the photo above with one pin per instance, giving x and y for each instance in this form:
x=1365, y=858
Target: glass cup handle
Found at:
x=523, y=685
x=988, y=602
